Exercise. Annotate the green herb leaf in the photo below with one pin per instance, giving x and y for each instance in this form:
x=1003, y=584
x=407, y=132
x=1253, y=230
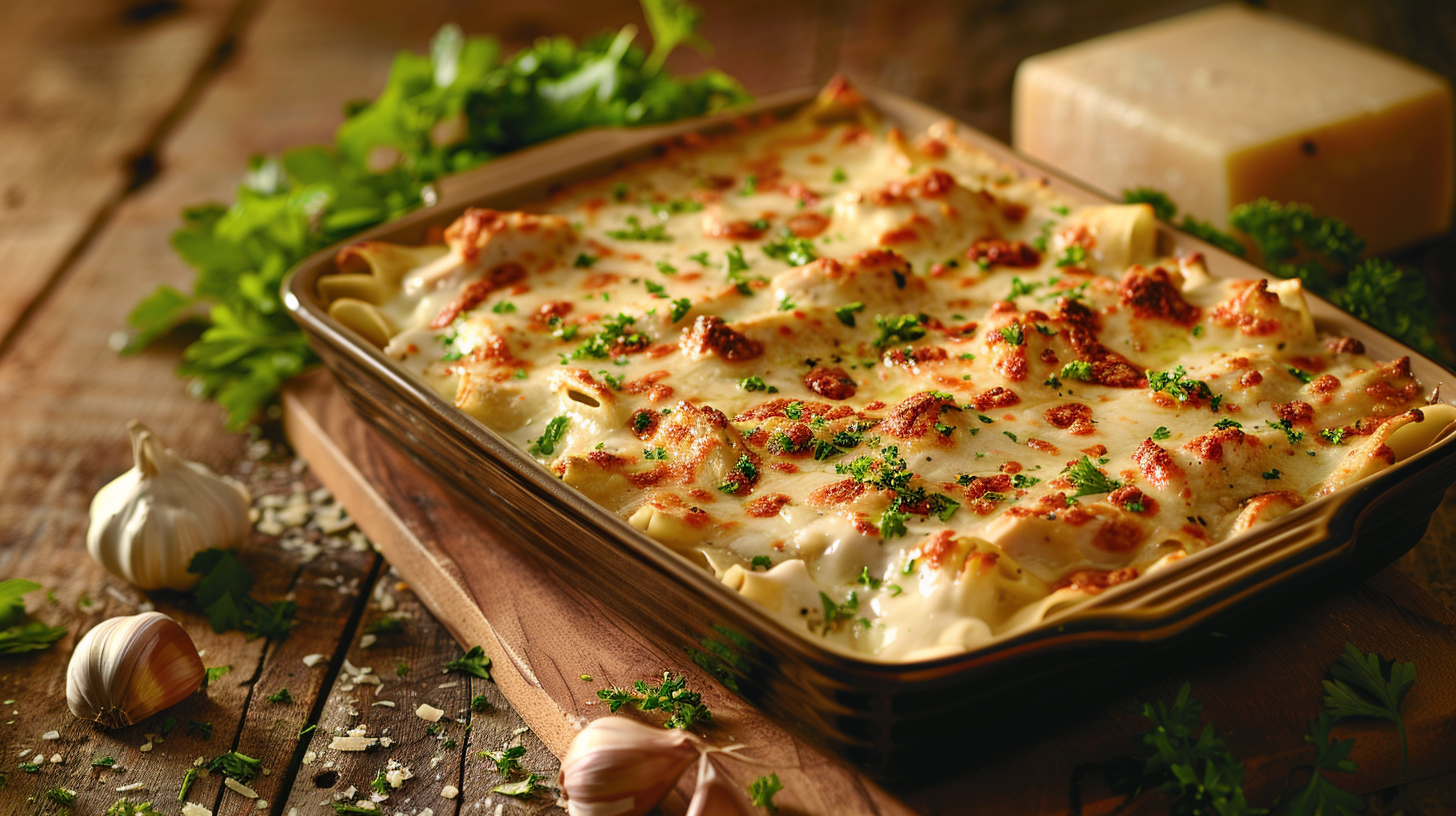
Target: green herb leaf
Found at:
x=1088, y=480
x=473, y=662
x=1367, y=685
x=761, y=792
x=546, y=443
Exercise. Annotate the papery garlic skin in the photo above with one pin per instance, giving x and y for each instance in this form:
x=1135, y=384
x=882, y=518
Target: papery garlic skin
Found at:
x=148, y=523
x=129, y=668
x=617, y=766
x=716, y=794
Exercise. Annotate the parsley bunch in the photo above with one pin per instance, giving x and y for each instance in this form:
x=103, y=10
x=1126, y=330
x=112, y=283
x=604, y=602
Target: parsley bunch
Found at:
x=1185, y=758
x=294, y=204
x=1324, y=253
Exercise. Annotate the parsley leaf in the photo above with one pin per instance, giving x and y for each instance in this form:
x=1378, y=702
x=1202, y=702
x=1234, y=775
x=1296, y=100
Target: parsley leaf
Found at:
x=846, y=312
x=222, y=593
x=473, y=662
x=791, y=249
x=520, y=789
x=1088, y=479
x=238, y=766
x=680, y=307
x=17, y=634
x=761, y=792
x=1367, y=685
x=904, y=328
x=550, y=437
x=1077, y=370
x=1175, y=383
x=634, y=231
x=506, y=760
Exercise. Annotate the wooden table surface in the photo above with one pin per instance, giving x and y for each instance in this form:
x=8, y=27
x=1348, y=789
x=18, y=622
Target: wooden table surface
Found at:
x=114, y=114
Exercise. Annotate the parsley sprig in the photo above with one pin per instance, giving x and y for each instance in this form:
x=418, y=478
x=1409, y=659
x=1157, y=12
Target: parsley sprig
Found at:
x=308, y=198
x=1088, y=480
x=671, y=696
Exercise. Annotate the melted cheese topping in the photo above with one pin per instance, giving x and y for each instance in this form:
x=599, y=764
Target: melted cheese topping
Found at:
x=901, y=398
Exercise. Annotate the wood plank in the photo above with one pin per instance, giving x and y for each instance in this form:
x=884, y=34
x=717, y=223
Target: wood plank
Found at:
x=1259, y=679
x=542, y=634
x=86, y=94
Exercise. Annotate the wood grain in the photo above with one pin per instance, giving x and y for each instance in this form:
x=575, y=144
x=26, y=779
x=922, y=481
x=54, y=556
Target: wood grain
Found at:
x=1259, y=678
x=87, y=93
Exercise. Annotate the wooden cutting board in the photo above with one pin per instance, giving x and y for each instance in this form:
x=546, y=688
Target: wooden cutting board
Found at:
x=1259, y=679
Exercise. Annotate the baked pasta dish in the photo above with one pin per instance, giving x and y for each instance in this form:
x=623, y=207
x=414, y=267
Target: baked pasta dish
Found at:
x=878, y=383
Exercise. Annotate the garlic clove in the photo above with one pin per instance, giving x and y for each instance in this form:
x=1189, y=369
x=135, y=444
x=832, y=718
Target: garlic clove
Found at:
x=148, y=523
x=617, y=766
x=716, y=794
x=129, y=668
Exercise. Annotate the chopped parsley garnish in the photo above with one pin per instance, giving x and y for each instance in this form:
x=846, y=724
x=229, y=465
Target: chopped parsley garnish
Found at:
x=892, y=521
x=658, y=454
x=1334, y=436
x=641, y=421
x=613, y=381
x=676, y=207
x=761, y=790
x=61, y=796
x=743, y=467
x=521, y=788
x=666, y=268
x=1020, y=288
x=671, y=697
x=867, y=580
x=1088, y=479
x=838, y=176
x=846, y=312
x=1227, y=423
x=1161, y=433
x=655, y=289
x=1077, y=370
x=1022, y=481
x=480, y=703
x=786, y=303
x=700, y=258
x=1039, y=243
x=1288, y=428
x=760, y=562
x=1197, y=331
x=1271, y=474
x=794, y=410
x=1072, y=256
x=506, y=760
x=280, y=696
x=1300, y=374
x=545, y=444
x=756, y=383
x=902, y=329
x=750, y=185
x=1012, y=334
x=241, y=767
x=734, y=260
x=1011, y=436
x=504, y=307
x=837, y=613
x=473, y=662
x=616, y=336
x=619, y=191
x=103, y=762
x=1176, y=384
x=680, y=307
x=634, y=231
x=791, y=249
x=584, y=261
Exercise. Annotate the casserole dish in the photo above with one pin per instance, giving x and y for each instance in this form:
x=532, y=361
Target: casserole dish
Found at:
x=887, y=718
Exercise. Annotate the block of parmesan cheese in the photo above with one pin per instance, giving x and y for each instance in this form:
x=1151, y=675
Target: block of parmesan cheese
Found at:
x=1223, y=106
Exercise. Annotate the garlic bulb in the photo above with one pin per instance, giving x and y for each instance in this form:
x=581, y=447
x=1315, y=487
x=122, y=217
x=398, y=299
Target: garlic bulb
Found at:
x=129, y=668
x=617, y=766
x=148, y=523
x=716, y=794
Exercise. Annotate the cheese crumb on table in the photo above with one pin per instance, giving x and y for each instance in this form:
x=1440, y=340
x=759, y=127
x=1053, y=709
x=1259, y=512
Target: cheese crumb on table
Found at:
x=1223, y=106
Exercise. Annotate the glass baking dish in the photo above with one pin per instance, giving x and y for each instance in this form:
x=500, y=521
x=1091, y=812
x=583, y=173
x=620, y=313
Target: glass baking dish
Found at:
x=889, y=719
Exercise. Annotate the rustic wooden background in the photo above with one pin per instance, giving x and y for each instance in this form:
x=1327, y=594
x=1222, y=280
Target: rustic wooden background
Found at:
x=116, y=113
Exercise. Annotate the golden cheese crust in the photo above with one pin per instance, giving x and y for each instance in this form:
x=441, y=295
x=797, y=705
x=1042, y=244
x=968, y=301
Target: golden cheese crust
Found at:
x=879, y=384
